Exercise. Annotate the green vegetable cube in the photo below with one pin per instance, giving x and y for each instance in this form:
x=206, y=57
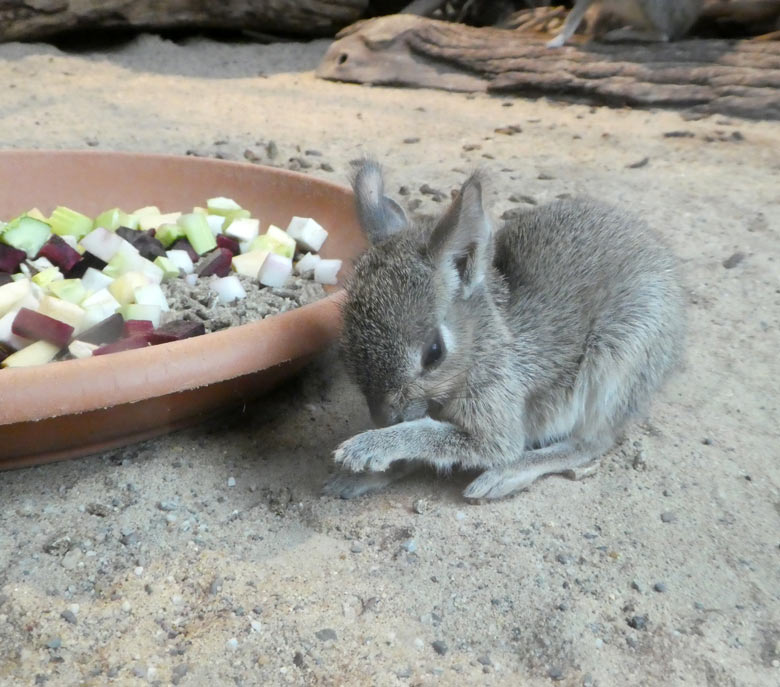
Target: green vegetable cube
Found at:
x=67, y=222
x=198, y=232
x=27, y=234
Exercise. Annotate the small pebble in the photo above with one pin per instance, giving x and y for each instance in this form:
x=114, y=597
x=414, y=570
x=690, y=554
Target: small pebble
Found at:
x=485, y=660
x=563, y=558
x=659, y=587
x=54, y=643
x=139, y=670
x=439, y=647
x=733, y=260
x=326, y=634
x=668, y=516
x=356, y=547
x=232, y=644
x=410, y=546
x=638, y=622
x=326, y=167
x=231, y=481
x=179, y=672
x=139, y=570
x=412, y=139
x=255, y=625
x=556, y=673
x=167, y=505
x=636, y=586
x=420, y=506
x=69, y=617
x=641, y=163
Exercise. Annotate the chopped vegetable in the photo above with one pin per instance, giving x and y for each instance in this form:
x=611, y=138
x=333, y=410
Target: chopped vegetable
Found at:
x=37, y=353
x=325, y=271
x=275, y=270
x=307, y=232
x=198, y=233
x=66, y=221
x=228, y=289
x=27, y=234
x=33, y=325
x=217, y=262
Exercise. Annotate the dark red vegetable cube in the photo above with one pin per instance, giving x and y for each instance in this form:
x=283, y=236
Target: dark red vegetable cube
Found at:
x=59, y=253
x=105, y=331
x=135, y=327
x=5, y=278
x=5, y=351
x=217, y=262
x=184, y=244
x=148, y=246
x=229, y=243
x=34, y=325
x=137, y=341
x=181, y=329
x=10, y=258
x=87, y=260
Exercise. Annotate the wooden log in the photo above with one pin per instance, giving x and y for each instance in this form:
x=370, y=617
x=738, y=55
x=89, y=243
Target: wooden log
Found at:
x=733, y=77
x=36, y=19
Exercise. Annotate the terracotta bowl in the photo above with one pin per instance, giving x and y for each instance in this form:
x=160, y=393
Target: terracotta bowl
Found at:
x=78, y=407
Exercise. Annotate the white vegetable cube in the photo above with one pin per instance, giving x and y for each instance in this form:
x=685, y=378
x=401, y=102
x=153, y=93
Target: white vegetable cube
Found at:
x=14, y=292
x=123, y=287
x=283, y=239
x=249, y=264
x=102, y=243
x=182, y=260
x=36, y=353
x=136, y=311
x=81, y=349
x=308, y=233
x=275, y=270
x=228, y=288
x=152, y=220
x=222, y=204
x=243, y=229
x=98, y=306
x=64, y=311
x=215, y=223
x=40, y=264
x=151, y=294
x=326, y=271
x=94, y=280
x=305, y=266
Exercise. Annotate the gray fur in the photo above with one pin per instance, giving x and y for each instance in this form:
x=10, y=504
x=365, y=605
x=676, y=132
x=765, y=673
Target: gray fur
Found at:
x=654, y=20
x=561, y=327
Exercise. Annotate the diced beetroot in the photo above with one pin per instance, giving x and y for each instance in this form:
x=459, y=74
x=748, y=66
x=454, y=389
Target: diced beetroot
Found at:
x=184, y=244
x=148, y=246
x=181, y=329
x=161, y=338
x=135, y=327
x=137, y=341
x=5, y=278
x=34, y=325
x=105, y=331
x=87, y=260
x=59, y=253
x=229, y=243
x=217, y=262
x=10, y=258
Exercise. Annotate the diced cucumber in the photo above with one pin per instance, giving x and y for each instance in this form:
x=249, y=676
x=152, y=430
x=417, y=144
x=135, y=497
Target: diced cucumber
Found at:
x=169, y=233
x=170, y=271
x=27, y=234
x=198, y=232
x=68, y=289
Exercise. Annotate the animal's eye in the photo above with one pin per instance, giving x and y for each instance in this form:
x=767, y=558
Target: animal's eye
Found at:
x=433, y=351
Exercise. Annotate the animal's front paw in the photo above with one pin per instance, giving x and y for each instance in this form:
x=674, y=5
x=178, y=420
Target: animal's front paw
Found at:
x=556, y=42
x=497, y=483
x=365, y=451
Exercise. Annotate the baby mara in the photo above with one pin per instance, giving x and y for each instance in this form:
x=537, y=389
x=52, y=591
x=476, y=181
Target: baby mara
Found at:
x=519, y=352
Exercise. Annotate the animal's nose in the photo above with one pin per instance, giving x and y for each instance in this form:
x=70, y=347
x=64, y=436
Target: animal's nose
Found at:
x=382, y=413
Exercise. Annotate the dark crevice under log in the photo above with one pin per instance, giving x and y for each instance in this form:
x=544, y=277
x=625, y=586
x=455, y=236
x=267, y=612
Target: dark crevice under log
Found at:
x=733, y=77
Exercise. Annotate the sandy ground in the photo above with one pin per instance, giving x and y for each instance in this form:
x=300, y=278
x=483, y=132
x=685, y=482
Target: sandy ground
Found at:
x=145, y=566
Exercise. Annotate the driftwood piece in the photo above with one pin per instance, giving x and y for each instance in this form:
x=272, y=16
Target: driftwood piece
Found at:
x=36, y=19
x=710, y=76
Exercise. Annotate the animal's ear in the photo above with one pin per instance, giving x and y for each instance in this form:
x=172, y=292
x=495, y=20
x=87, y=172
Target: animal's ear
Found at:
x=380, y=216
x=463, y=237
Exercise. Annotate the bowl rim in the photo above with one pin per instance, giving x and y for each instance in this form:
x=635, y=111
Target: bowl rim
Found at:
x=68, y=386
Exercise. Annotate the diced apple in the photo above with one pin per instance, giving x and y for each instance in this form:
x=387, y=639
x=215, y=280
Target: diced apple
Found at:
x=151, y=294
x=81, y=349
x=34, y=325
x=170, y=270
x=124, y=286
x=94, y=280
x=276, y=241
x=37, y=353
x=275, y=270
x=215, y=222
x=245, y=229
x=130, y=261
x=64, y=311
x=307, y=232
x=152, y=221
x=182, y=260
x=228, y=289
x=102, y=243
x=13, y=293
x=326, y=271
x=249, y=264
x=305, y=266
x=222, y=206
